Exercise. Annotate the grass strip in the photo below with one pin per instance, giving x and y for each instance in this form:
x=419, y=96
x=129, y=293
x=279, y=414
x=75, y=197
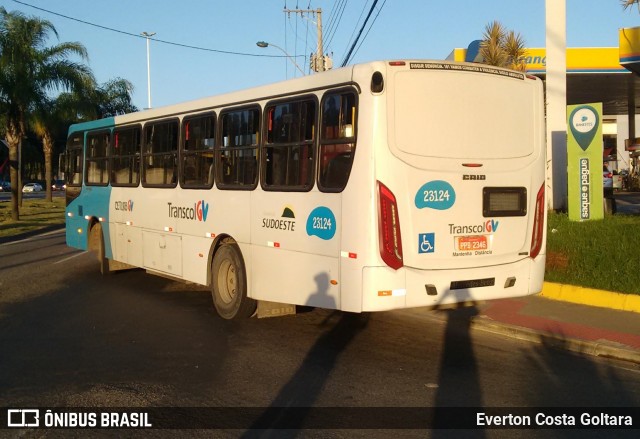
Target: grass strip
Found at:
x=34, y=214
x=594, y=254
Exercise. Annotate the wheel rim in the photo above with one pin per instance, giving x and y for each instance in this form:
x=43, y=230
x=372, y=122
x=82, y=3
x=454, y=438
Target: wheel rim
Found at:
x=227, y=282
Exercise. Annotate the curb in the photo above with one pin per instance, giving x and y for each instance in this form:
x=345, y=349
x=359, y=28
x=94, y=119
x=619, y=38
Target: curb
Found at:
x=591, y=297
x=596, y=349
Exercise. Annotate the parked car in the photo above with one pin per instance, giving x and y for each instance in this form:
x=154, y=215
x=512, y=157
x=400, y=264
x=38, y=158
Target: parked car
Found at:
x=5, y=186
x=607, y=185
x=58, y=185
x=607, y=177
x=32, y=187
x=617, y=180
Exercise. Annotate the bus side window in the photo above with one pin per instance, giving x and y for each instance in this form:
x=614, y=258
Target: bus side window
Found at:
x=287, y=157
x=237, y=156
x=338, y=140
x=97, y=161
x=74, y=160
x=198, y=142
x=160, y=154
x=125, y=157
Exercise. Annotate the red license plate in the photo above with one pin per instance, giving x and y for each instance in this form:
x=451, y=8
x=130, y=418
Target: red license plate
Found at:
x=468, y=243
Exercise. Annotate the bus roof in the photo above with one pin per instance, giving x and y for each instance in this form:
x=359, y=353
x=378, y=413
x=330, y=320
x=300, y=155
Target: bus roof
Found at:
x=309, y=83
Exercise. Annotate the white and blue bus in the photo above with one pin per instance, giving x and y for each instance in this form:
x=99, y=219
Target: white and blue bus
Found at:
x=372, y=187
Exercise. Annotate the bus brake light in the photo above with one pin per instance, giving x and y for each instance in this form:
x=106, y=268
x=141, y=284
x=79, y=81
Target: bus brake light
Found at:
x=538, y=224
x=389, y=228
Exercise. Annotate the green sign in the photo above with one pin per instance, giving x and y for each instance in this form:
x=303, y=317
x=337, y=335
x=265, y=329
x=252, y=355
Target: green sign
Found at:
x=584, y=161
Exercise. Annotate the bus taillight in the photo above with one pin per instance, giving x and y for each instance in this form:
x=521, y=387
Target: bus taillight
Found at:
x=538, y=224
x=389, y=228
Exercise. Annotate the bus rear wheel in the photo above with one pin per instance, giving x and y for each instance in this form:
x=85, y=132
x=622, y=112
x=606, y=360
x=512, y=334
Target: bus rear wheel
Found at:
x=96, y=244
x=229, y=283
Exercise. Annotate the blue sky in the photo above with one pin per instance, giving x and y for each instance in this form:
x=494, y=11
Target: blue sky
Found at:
x=425, y=29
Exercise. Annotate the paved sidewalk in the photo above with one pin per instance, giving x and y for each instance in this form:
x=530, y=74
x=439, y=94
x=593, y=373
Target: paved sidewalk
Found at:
x=595, y=330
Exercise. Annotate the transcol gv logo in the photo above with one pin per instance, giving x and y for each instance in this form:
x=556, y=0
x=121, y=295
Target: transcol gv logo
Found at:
x=198, y=212
x=489, y=226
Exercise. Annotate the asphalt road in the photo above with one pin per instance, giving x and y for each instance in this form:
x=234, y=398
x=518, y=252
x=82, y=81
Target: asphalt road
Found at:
x=71, y=338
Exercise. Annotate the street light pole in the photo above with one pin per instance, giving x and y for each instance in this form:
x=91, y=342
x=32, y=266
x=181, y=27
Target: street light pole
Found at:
x=264, y=44
x=148, y=36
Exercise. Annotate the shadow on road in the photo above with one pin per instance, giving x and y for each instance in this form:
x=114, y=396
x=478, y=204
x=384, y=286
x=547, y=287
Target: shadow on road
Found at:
x=305, y=385
x=458, y=369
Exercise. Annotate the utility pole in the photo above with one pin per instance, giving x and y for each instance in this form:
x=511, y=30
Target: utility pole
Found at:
x=319, y=61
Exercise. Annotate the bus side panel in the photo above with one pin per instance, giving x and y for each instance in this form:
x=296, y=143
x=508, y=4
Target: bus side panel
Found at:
x=92, y=203
x=296, y=278
x=128, y=244
x=162, y=252
x=195, y=258
x=295, y=239
x=359, y=239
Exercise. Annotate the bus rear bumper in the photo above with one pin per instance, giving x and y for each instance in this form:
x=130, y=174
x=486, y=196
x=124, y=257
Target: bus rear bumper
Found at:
x=387, y=289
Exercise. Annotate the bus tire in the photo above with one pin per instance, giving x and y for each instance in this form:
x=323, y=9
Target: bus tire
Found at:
x=96, y=244
x=229, y=283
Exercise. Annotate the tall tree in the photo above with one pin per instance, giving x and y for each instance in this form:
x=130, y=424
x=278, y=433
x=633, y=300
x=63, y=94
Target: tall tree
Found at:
x=109, y=99
x=46, y=120
x=114, y=97
x=29, y=71
x=503, y=48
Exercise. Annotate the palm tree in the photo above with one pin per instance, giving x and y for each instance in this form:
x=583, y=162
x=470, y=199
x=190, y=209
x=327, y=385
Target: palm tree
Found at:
x=28, y=72
x=109, y=99
x=628, y=3
x=49, y=116
x=503, y=48
x=113, y=98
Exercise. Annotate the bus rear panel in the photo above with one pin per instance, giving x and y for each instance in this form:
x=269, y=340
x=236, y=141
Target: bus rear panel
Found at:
x=459, y=184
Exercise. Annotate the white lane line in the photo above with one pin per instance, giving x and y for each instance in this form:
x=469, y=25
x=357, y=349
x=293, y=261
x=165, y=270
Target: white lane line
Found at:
x=33, y=238
x=70, y=257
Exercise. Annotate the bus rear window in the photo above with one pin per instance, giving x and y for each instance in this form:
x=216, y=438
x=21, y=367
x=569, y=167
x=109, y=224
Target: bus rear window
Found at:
x=462, y=115
x=338, y=140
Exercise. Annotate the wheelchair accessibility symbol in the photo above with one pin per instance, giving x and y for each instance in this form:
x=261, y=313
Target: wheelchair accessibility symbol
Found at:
x=426, y=242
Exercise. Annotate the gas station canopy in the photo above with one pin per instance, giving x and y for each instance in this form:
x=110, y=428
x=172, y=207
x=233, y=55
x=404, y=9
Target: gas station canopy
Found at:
x=594, y=74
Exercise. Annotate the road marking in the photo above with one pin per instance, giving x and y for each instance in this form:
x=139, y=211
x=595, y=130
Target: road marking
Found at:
x=70, y=257
x=32, y=238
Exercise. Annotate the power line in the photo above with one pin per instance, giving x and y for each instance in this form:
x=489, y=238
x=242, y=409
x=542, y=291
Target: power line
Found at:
x=131, y=34
x=332, y=31
x=355, y=42
x=369, y=30
x=355, y=28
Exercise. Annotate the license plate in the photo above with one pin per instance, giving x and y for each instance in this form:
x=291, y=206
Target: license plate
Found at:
x=468, y=243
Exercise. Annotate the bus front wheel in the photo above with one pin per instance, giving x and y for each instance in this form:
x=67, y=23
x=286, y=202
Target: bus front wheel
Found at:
x=96, y=244
x=229, y=283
